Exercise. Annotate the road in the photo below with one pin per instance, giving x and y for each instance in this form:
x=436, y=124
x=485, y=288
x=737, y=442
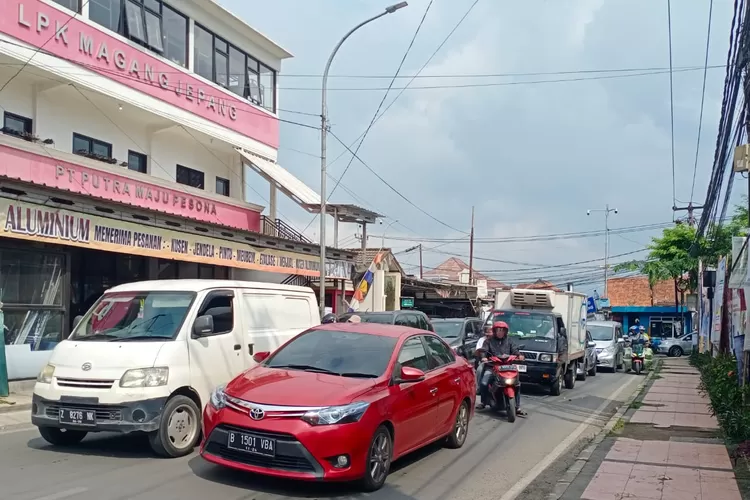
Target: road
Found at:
x=496, y=456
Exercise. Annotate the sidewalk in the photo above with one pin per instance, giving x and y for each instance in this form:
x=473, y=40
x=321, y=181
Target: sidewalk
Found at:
x=666, y=446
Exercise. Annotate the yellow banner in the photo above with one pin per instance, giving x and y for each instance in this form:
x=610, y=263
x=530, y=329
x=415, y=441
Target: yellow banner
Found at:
x=27, y=221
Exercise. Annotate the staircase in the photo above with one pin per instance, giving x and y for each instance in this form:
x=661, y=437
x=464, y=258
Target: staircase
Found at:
x=296, y=280
x=281, y=229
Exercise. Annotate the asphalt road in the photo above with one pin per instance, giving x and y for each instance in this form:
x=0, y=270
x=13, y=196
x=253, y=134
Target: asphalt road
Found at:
x=496, y=457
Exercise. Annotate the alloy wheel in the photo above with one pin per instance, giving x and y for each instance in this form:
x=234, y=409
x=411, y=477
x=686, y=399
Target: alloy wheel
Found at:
x=380, y=458
x=462, y=423
x=182, y=427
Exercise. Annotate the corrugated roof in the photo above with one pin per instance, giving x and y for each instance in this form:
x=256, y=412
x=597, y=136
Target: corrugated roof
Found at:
x=282, y=178
x=451, y=269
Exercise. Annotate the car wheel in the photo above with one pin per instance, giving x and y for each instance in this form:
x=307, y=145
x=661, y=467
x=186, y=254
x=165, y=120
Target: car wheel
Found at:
x=592, y=371
x=61, y=437
x=556, y=388
x=457, y=437
x=179, y=429
x=570, y=376
x=675, y=352
x=378, y=460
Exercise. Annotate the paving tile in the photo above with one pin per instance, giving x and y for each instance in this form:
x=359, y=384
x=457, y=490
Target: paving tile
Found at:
x=655, y=452
x=605, y=487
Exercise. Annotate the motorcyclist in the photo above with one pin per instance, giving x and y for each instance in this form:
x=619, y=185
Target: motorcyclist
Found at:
x=639, y=335
x=480, y=351
x=329, y=318
x=499, y=345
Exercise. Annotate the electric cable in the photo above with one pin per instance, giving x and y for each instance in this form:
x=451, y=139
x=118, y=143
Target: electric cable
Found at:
x=703, y=97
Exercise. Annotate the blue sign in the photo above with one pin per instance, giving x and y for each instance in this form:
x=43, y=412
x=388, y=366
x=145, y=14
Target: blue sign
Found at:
x=590, y=305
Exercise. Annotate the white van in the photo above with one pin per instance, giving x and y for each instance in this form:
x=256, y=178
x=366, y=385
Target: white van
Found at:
x=147, y=355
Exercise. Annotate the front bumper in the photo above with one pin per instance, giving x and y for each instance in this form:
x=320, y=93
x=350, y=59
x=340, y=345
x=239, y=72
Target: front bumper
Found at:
x=124, y=417
x=606, y=360
x=538, y=372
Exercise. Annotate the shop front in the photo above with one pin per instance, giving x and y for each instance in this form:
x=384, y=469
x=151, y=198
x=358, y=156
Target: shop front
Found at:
x=55, y=262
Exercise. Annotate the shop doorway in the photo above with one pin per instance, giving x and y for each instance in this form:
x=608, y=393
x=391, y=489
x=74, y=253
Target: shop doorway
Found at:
x=665, y=327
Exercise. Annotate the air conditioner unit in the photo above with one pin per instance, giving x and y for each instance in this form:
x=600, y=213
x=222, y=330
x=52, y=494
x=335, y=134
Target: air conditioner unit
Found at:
x=531, y=298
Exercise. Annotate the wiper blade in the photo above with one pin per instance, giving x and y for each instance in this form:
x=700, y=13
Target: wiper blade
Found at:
x=307, y=368
x=358, y=375
x=96, y=336
x=140, y=337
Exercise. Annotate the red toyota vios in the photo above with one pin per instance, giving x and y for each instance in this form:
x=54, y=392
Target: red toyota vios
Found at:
x=340, y=402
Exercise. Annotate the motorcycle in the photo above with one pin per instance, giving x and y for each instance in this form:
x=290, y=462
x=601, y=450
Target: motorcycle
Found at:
x=505, y=384
x=639, y=358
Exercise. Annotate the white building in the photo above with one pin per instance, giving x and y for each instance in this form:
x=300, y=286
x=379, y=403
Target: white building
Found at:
x=128, y=129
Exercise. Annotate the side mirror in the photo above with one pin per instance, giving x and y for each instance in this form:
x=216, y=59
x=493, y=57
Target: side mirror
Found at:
x=76, y=321
x=563, y=332
x=409, y=374
x=203, y=326
x=591, y=344
x=260, y=357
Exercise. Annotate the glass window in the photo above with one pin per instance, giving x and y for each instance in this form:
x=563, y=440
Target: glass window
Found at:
x=30, y=278
x=190, y=177
x=237, y=67
x=175, y=27
x=524, y=324
x=221, y=62
x=74, y=5
x=448, y=329
x=341, y=353
x=267, y=80
x=84, y=146
x=134, y=17
x=153, y=31
x=412, y=320
x=137, y=162
x=204, y=53
x=412, y=355
x=16, y=124
x=222, y=186
x=41, y=330
x=220, y=308
x=601, y=332
x=402, y=320
x=439, y=352
x=106, y=13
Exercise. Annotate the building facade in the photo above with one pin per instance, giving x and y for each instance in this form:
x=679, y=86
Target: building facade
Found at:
x=129, y=129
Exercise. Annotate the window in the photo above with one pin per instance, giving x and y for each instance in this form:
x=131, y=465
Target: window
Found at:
x=137, y=162
x=218, y=305
x=74, y=5
x=222, y=186
x=175, y=33
x=439, y=352
x=107, y=13
x=86, y=146
x=219, y=61
x=412, y=355
x=16, y=124
x=190, y=177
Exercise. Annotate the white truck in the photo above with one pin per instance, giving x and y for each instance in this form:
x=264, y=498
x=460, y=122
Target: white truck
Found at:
x=550, y=329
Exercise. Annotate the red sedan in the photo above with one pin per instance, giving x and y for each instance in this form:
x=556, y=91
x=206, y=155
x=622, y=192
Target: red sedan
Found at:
x=340, y=402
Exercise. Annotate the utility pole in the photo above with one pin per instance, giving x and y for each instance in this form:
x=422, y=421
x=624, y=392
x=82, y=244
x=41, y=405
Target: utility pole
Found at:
x=420, y=261
x=606, y=211
x=690, y=208
x=471, y=250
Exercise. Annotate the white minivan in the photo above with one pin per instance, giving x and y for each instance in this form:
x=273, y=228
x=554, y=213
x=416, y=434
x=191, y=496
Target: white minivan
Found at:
x=147, y=355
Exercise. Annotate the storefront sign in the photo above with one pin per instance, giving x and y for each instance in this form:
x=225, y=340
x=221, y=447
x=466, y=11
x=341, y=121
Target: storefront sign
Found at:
x=36, y=169
x=41, y=25
x=32, y=222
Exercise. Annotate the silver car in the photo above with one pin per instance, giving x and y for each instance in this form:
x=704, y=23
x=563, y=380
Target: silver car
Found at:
x=676, y=347
x=607, y=335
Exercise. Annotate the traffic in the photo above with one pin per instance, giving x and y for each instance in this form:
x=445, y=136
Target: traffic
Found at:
x=248, y=374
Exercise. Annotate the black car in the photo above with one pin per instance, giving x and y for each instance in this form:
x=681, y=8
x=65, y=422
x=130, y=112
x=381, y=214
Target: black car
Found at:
x=461, y=334
x=413, y=319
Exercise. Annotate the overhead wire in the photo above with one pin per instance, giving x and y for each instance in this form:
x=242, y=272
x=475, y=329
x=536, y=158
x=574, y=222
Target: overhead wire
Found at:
x=671, y=104
x=703, y=98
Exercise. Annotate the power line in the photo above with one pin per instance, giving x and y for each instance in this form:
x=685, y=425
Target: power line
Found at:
x=671, y=101
x=703, y=97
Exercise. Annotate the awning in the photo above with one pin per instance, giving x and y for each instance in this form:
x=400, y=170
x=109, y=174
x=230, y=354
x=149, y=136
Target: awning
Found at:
x=282, y=179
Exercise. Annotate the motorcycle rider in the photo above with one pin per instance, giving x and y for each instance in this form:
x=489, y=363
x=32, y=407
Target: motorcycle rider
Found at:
x=499, y=345
x=480, y=352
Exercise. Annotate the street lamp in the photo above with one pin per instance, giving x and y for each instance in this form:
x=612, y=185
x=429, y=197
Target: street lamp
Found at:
x=382, y=237
x=323, y=131
x=606, y=211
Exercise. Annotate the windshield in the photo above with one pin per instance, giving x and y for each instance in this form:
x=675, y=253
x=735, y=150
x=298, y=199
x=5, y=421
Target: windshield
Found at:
x=526, y=324
x=339, y=353
x=448, y=329
x=599, y=332
x=135, y=315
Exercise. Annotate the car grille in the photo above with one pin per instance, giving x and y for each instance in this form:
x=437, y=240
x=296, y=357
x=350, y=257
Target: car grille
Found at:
x=85, y=383
x=103, y=413
x=530, y=355
x=296, y=464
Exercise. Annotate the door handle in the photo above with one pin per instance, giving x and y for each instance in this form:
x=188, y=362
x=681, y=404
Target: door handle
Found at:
x=457, y=380
x=250, y=348
x=433, y=391
x=237, y=347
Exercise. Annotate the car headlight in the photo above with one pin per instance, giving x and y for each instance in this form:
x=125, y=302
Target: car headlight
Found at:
x=219, y=397
x=45, y=376
x=548, y=358
x=145, y=377
x=344, y=414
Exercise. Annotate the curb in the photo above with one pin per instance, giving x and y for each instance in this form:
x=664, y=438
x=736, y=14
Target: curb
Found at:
x=572, y=473
x=14, y=407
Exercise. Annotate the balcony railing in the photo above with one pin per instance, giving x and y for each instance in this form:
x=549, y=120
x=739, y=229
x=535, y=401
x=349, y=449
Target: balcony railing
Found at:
x=281, y=229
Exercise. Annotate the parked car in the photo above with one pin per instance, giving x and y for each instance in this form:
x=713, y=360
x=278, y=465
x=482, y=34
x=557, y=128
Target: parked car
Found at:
x=676, y=347
x=607, y=335
x=589, y=359
x=410, y=318
x=460, y=333
x=340, y=402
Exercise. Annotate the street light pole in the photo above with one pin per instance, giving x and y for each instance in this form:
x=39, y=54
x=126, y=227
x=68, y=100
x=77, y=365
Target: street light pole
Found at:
x=606, y=211
x=323, y=131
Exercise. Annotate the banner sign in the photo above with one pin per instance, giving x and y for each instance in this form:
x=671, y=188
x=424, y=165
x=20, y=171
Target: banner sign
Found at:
x=27, y=221
x=721, y=276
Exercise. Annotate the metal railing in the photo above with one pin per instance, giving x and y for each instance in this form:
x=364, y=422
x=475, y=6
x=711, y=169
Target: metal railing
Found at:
x=281, y=229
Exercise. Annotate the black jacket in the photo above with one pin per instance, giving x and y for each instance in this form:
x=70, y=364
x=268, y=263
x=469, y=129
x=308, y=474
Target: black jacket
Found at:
x=501, y=347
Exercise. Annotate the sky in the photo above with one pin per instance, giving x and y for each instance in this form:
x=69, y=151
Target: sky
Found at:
x=532, y=158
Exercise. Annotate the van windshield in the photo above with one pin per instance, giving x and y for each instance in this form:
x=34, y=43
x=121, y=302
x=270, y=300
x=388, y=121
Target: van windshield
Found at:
x=601, y=333
x=120, y=317
x=525, y=324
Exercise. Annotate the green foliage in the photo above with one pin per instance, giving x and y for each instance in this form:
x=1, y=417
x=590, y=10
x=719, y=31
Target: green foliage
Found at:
x=728, y=400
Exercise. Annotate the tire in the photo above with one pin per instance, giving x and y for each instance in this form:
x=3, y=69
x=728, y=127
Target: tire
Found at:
x=592, y=372
x=637, y=367
x=675, y=352
x=510, y=410
x=556, y=388
x=179, y=430
x=457, y=437
x=380, y=450
x=61, y=437
x=570, y=376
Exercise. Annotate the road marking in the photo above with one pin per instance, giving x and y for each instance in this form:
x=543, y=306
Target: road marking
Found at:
x=63, y=494
x=526, y=480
